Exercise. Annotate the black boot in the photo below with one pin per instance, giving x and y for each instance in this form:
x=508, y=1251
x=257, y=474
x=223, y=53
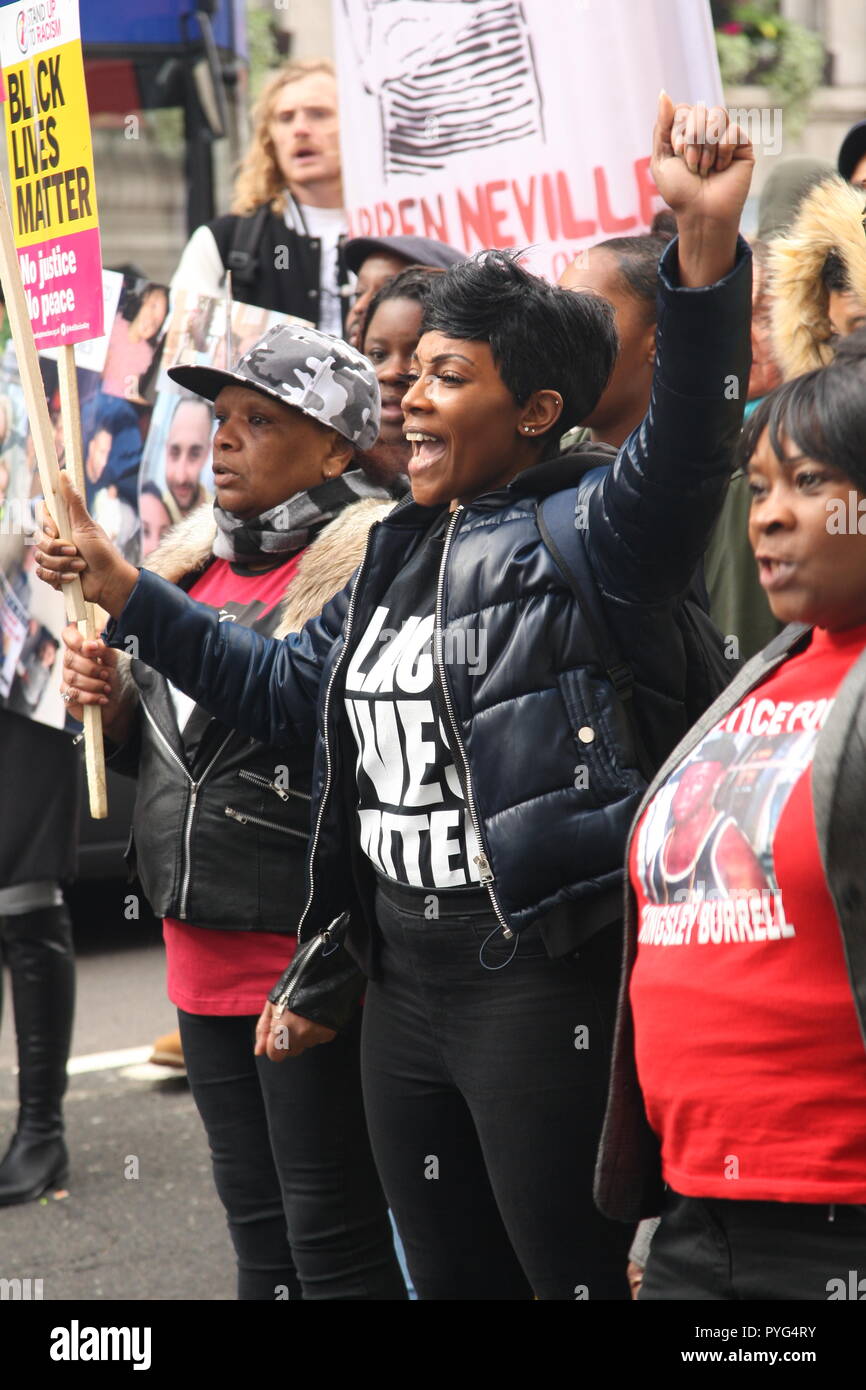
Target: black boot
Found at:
x=38, y=950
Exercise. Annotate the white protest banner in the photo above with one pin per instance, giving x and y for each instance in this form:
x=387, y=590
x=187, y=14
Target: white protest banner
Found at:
x=512, y=123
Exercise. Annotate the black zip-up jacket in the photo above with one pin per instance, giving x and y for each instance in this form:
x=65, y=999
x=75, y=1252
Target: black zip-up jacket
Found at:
x=221, y=821
x=553, y=843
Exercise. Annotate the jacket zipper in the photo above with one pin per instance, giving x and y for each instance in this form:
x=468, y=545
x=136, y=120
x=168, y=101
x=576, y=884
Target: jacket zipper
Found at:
x=326, y=707
x=243, y=817
x=260, y=781
x=186, y=865
x=487, y=876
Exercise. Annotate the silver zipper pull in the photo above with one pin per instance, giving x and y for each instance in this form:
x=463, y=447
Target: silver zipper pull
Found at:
x=486, y=872
x=236, y=815
x=283, y=795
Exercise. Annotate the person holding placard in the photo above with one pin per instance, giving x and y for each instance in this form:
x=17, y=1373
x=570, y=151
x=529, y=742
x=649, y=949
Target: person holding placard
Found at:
x=221, y=823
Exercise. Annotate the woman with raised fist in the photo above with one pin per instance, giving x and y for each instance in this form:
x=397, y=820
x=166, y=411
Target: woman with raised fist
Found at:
x=477, y=769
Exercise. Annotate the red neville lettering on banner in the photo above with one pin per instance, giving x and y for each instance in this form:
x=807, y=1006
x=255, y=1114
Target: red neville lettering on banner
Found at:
x=609, y=222
x=435, y=227
x=481, y=221
x=526, y=209
x=498, y=215
x=505, y=212
x=574, y=228
x=406, y=227
x=474, y=221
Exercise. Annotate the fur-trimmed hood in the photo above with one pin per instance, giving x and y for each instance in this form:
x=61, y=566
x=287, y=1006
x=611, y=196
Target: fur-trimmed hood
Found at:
x=326, y=565
x=831, y=218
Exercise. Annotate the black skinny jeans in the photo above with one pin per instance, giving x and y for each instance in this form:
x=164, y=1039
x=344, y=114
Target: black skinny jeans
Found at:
x=485, y=1094
x=292, y=1164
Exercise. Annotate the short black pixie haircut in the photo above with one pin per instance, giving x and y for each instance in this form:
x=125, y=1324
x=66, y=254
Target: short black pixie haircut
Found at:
x=541, y=337
x=413, y=283
x=822, y=412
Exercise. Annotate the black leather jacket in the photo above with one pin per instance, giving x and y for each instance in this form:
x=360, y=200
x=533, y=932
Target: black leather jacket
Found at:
x=221, y=821
x=552, y=843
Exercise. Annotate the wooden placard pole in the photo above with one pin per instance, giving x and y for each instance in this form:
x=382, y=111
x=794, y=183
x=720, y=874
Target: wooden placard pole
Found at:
x=46, y=458
x=94, y=750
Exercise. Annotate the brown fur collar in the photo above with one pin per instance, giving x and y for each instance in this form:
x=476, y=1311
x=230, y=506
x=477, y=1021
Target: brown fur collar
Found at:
x=831, y=218
x=325, y=567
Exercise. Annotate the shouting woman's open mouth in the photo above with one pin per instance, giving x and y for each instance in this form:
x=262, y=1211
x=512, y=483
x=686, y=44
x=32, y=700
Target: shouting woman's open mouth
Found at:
x=427, y=450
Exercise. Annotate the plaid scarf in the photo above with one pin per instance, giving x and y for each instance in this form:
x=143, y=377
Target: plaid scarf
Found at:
x=291, y=525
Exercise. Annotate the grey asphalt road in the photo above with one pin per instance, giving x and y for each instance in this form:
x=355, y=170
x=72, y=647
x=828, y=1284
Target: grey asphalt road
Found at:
x=117, y=1236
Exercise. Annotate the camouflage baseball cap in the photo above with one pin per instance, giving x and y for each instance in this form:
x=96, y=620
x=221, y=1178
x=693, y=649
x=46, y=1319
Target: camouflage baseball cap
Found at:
x=318, y=374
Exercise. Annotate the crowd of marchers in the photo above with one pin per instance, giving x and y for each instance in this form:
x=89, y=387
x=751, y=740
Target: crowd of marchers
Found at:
x=513, y=596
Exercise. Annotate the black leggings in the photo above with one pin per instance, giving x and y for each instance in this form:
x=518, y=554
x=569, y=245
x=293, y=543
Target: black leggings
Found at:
x=292, y=1164
x=485, y=1094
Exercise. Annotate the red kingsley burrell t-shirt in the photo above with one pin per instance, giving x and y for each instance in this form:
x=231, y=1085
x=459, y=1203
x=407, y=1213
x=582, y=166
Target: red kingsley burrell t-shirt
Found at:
x=748, y=1048
x=228, y=972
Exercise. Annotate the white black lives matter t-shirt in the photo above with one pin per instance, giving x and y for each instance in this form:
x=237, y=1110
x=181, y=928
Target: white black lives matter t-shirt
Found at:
x=414, y=822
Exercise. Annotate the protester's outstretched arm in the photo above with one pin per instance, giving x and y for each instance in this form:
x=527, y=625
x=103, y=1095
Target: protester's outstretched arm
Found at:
x=263, y=687
x=651, y=516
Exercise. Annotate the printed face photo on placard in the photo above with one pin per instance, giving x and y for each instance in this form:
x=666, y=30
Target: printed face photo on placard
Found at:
x=114, y=373
x=134, y=339
x=176, y=475
x=31, y=614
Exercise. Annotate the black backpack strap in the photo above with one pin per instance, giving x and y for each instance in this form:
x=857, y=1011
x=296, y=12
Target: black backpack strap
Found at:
x=242, y=256
x=557, y=527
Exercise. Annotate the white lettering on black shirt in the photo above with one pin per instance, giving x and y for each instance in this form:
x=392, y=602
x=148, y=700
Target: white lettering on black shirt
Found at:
x=414, y=823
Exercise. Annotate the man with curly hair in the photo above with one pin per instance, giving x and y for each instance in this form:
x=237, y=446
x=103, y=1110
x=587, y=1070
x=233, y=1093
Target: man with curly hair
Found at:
x=283, y=239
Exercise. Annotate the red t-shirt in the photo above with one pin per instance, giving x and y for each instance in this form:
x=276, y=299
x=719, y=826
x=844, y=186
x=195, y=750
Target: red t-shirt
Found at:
x=229, y=972
x=748, y=1049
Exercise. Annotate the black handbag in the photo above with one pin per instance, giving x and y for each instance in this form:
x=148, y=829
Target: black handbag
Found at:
x=322, y=982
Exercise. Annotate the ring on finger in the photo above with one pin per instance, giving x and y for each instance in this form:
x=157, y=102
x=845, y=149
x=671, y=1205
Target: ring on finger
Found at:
x=67, y=697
